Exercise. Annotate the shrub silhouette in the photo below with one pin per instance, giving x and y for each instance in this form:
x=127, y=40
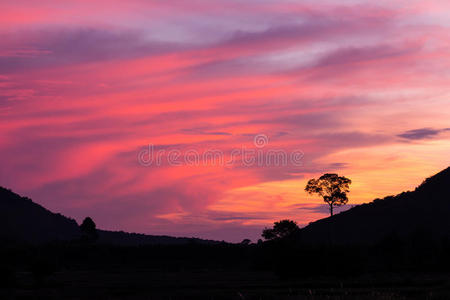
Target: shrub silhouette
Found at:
x=246, y=242
x=89, y=229
x=332, y=188
x=281, y=229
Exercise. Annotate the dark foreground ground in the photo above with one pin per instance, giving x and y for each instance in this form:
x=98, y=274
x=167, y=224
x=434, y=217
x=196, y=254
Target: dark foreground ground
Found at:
x=393, y=269
x=223, y=284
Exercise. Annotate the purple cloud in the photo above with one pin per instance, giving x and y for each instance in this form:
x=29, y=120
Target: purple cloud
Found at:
x=422, y=133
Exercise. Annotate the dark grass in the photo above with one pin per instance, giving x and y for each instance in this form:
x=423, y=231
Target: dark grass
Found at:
x=224, y=284
x=279, y=270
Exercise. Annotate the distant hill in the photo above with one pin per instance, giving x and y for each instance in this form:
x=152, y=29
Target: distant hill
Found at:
x=426, y=210
x=22, y=220
x=134, y=239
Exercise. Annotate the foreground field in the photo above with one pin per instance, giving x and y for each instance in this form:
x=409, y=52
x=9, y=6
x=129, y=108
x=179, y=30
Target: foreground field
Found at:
x=223, y=284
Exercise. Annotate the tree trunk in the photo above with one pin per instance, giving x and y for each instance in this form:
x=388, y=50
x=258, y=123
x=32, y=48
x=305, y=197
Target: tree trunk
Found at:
x=331, y=210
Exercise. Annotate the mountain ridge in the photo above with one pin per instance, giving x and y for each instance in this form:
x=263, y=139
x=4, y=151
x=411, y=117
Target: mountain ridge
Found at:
x=22, y=220
x=426, y=209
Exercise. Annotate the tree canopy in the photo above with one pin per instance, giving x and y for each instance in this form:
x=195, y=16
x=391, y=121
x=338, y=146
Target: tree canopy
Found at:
x=89, y=229
x=281, y=229
x=332, y=188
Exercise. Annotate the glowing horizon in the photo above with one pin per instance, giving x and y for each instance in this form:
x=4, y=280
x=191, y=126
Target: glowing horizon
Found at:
x=361, y=89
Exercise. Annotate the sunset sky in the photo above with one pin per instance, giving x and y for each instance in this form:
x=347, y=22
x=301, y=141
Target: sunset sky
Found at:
x=361, y=88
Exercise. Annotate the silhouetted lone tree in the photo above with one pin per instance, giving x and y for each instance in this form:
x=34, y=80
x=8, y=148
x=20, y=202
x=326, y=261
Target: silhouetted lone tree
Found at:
x=281, y=229
x=332, y=188
x=89, y=229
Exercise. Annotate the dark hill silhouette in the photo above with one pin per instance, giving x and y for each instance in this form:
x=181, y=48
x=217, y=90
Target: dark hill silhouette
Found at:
x=22, y=220
x=134, y=239
x=426, y=211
